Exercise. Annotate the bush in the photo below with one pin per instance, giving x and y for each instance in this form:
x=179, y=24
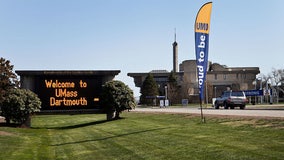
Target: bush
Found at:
x=117, y=97
x=19, y=104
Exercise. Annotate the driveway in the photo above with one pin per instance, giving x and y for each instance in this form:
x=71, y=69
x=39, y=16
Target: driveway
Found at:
x=250, y=111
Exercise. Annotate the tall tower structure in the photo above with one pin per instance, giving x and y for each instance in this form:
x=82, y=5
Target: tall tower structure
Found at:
x=175, y=55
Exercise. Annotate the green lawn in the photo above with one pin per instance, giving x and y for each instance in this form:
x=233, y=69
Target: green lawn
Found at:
x=144, y=136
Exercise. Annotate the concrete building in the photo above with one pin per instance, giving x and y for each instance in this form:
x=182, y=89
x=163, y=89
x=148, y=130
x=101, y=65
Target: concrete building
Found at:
x=219, y=78
x=175, y=56
x=160, y=76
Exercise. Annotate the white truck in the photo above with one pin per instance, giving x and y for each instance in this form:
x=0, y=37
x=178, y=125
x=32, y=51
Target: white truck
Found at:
x=231, y=99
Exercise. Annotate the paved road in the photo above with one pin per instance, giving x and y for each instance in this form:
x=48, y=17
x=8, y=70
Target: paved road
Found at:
x=210, y=111
x=254, y=111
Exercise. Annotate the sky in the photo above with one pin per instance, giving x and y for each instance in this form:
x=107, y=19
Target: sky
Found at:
x=137, y=35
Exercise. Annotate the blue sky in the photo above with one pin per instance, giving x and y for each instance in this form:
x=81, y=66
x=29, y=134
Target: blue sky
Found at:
x=137, y=35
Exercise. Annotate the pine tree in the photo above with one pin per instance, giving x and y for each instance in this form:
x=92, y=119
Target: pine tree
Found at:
x=8, y=79
x=173, y=88
x=148, y=88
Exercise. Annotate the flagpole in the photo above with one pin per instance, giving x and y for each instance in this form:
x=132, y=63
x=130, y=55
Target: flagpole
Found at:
x=201, y=111
x=201, y=28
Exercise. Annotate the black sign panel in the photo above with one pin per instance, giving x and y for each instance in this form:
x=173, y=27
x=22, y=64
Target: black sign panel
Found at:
x=67, y=89
x=69, y=92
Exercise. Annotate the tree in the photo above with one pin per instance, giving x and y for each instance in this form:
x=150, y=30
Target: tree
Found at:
x=277, y=76
x=173, y=88
x=19, y=104
x=148, y=88
x=277, y=79
x=8, y=79
x=116, y=97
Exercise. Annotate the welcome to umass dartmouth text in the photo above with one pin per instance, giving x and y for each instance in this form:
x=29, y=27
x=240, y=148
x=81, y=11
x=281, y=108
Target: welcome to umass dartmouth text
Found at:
x=61, y=92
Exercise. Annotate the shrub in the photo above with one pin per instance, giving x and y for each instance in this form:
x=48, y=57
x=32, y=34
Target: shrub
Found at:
x=19, y=104
x=117, y=97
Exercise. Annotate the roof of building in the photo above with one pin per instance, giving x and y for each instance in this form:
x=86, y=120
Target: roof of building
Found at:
x=67, y=72
x=159, y=71
x=215, y=67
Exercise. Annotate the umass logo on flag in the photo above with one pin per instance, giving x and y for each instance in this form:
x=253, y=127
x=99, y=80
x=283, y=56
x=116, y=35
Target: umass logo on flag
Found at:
x=202, y=26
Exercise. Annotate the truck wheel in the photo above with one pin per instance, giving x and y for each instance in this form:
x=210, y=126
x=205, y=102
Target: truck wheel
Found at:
x=226, y=106
x=216, y=105
x=232, y=107
x=242, y=107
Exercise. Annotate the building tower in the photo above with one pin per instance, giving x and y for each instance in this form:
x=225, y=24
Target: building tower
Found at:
x=175, y=55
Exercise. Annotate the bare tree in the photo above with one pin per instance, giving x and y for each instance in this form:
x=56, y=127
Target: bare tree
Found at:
x=266, y=81
x=277, y=79
x=277, y=76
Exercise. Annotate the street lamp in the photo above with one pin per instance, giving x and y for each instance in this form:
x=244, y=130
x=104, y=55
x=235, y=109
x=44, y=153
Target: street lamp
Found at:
x=260, y=88
x=254, y=83
x=166, y=92
x=269, y=91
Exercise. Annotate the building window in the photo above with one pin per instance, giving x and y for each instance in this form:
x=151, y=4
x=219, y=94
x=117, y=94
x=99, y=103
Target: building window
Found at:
x=237, y=75
x=216, y=77
x=225, y=76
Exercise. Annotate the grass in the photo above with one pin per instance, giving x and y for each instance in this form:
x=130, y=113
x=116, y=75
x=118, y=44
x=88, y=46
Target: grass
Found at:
x=144, y=136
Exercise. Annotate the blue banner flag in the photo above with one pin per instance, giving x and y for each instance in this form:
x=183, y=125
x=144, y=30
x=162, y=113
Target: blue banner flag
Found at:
x=201, y=27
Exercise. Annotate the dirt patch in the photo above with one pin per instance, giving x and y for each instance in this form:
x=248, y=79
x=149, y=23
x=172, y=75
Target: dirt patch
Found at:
x=240, y=123
x=256, y=123
x=3, y=133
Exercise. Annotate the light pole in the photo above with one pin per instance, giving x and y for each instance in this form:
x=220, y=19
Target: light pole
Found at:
x=166, y=92
x=260, y=87
x=270, y=92
x=166, y=96
x=255, y=83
